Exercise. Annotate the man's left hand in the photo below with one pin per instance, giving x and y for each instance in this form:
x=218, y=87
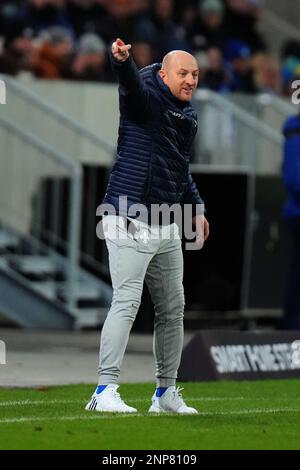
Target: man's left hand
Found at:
x=202, y=229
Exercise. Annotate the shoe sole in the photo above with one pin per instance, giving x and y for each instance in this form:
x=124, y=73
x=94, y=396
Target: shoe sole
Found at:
x=92, y=406
x=111, y=411
x=154, y=409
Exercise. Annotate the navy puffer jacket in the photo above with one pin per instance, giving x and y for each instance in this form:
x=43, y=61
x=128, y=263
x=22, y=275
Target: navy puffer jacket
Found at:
x=155, y=136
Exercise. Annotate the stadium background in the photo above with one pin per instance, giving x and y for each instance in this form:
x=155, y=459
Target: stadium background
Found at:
x=58, y=132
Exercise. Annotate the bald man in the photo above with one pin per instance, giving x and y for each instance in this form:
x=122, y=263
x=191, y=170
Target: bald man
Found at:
x=157, y=128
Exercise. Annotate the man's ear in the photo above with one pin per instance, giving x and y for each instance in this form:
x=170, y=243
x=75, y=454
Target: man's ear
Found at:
x=162, y=74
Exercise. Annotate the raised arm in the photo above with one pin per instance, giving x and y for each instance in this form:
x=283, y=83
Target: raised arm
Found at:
x=133, y=94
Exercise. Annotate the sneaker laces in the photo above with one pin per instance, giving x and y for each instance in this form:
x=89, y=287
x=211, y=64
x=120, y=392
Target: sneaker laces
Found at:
x=117, y=397
x=177, y=397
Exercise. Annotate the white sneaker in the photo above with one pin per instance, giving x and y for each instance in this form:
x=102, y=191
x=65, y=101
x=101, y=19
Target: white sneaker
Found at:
x=171, y=401
x=109, y=400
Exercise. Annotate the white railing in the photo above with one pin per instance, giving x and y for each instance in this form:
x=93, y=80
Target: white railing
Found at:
x=230, y=135
x=26, y=167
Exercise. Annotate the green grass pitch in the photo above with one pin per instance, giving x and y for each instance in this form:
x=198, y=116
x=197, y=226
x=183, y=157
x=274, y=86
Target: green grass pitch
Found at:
x=232, y=415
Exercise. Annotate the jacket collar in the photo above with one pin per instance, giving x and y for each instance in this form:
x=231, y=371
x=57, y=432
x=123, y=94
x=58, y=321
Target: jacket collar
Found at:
x=152, y=72
x=166, y=90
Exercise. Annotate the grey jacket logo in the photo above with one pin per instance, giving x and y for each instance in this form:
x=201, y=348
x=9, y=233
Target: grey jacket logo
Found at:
x=178, y=115
x=181, y=116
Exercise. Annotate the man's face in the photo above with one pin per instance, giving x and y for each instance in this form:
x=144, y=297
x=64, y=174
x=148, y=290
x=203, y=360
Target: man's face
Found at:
x=181, y=76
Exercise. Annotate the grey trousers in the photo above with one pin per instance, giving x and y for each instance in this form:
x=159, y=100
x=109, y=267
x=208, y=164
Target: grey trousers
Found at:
x=153, y=254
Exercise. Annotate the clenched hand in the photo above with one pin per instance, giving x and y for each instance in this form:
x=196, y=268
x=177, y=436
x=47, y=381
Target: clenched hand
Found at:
x=120, y=50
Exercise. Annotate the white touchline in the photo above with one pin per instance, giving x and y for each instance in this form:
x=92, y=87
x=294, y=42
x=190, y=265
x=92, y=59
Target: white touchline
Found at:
x=136, y=400
x=65, y=418
x=119, y=415
x=38, y=402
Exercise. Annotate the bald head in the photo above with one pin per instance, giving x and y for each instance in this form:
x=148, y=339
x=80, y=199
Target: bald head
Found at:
x=177, y=57
x=180, y=73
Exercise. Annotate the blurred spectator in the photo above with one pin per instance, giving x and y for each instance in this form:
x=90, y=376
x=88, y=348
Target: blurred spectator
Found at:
x=51, y=58
x=207, y=29
x=186, y=14
x=239, y=68
x=40, y=15
x=119, y=21
x=84, y=14
x=214, y=76
x=8, y=10
x=291, y=49
x=291, y=66
x=290, y=71
x=91, y=59
x=266, y=74
x=241, y=20
x=160, y=29
x=18, y=47
x=142, y=53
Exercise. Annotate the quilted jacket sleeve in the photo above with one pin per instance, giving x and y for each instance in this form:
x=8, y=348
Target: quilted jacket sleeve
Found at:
x=192, y=196
x=134, y=95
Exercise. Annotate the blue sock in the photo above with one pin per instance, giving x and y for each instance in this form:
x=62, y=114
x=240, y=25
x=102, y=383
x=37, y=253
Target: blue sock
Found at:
x=160, y=391
x=100, y=389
